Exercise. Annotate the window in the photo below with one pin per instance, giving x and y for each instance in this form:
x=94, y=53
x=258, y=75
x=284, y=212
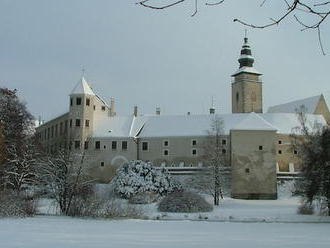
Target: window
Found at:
x=77, y=144
x=71, y=123
x=144, y=146
x=194, y=142
x=114, y=145
x=97, y=145
x=194, y=152
x=104, y=147
x=86, y=145
x=102, y=164
x=247, y=170
x=88, y=101
x=279, y=151
x=224, y=142
x=77, y=122
x=165, y=152
x=224, y=151
x=71, y=101
x=103, y=108
x=56, y=130
x=280, y=142
x=237, y=96
x=87, y=123
x=66, y=126
x=52, y=131
x=166, y=143
x=295, y=152
x=260, y=148
x=124, y=145
x=94, y=107
x=78, y=101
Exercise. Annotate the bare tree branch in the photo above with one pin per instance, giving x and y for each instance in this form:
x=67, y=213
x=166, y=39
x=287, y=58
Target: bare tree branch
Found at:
x=144, y=4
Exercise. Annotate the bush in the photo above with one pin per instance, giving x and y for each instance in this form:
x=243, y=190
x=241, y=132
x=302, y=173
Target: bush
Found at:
x=139, y=177
x=306, y=209
x=184, y=202
x=144, y=198
x=15, y=205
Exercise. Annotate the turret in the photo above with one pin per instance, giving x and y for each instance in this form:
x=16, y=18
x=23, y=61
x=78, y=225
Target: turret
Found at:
x=81, y=114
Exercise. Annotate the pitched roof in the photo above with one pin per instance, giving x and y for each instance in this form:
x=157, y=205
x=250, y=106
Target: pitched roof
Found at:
x=82, y=87
x=197, y=125
x=254, y=121
x=310, y=104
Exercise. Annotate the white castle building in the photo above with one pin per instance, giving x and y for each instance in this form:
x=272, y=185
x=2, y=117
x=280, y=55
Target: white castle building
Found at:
x=257, y=145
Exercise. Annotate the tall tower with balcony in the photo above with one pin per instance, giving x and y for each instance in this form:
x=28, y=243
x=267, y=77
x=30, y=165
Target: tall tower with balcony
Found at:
x=247, y=84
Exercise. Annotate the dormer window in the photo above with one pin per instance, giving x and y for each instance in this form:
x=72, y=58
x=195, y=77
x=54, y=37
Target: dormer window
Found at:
x=78, y=101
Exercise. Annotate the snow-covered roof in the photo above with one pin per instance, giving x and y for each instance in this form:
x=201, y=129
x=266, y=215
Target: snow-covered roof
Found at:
x=254, y=121
x=198, y=125
x=82, y=87
x=246, y=69
x=309, y=103
x=118, y=126
x=286, y=123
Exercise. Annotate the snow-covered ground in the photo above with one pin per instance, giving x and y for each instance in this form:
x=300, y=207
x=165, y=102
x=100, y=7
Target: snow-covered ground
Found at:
x=235, y=223
x=66, y=232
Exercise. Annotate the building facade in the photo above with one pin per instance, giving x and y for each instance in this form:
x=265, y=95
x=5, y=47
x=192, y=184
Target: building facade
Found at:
x=256, y=145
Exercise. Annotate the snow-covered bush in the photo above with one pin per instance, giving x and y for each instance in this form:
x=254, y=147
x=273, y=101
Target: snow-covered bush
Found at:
x=184, y=202
x=306, y=209
x=14, y=205
x=139, y=177
x=144, y=198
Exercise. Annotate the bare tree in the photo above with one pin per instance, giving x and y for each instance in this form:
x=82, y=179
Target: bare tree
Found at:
x=310, y=15
x=213, y=178
x=20, y=167
x=66, y=178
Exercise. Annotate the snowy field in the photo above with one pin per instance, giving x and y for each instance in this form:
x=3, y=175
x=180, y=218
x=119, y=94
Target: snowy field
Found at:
x=65, y=232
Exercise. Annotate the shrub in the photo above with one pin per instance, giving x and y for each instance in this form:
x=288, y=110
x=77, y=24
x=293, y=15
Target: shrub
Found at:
x=15, y=205
x=139, y=177
x=306, y=209
x=116, y=208
x=184, y=202
x=144, y=198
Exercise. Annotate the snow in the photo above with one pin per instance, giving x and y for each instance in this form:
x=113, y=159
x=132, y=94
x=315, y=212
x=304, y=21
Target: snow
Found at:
x=82, y=87
x=285, y=123
x=310, y=103
x=254, y=122
x=246, y=69
x=54, y=232
x=197, y=125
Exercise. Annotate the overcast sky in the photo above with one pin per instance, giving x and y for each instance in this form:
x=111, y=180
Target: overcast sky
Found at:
x=152, y=58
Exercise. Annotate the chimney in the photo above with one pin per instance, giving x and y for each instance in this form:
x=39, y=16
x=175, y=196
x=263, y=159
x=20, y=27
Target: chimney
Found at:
x=157, y=111
x=112, y=107
x=135, y=111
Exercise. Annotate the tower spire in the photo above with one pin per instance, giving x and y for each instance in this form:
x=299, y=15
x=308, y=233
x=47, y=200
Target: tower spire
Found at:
x=246, y=59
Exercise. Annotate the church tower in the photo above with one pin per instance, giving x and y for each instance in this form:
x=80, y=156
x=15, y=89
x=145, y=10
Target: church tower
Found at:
x=247, y=85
